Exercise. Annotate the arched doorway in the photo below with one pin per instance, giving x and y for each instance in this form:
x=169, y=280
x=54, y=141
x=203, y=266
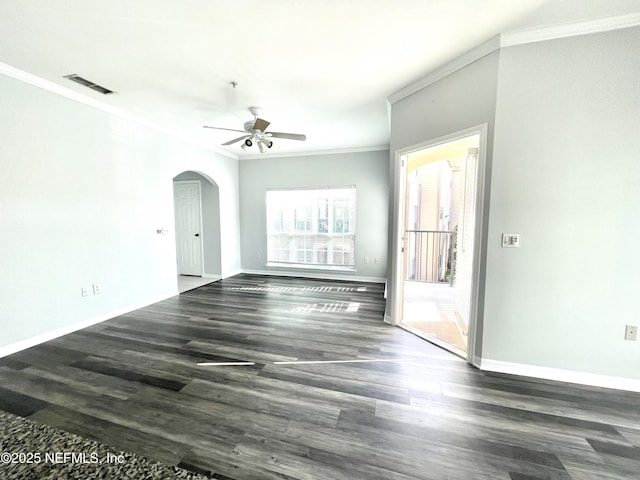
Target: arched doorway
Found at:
x=197, y=220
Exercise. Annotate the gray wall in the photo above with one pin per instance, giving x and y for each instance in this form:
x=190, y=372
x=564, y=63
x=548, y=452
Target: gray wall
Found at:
x=210, y=222
x=367, y=170
x=82, y=194
x=563, y=171
x=566, y=176
x=464, y=99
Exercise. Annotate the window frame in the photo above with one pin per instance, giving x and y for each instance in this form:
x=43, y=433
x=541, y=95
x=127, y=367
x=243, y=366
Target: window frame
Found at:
x=314, y=227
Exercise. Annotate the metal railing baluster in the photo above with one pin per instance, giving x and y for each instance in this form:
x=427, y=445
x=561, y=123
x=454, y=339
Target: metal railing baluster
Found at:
x=430, y=256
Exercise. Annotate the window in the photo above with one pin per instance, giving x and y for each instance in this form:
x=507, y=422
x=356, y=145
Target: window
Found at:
x=312, y=227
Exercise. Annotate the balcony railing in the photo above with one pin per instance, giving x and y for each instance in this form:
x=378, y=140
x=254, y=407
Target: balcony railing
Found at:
x=430, y=256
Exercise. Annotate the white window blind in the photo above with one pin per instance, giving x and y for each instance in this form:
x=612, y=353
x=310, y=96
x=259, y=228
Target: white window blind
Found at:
x=312, y=227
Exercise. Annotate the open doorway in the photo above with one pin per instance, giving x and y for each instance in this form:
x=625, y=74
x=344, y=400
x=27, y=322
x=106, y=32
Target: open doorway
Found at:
x=197, y=220
x=438, y=241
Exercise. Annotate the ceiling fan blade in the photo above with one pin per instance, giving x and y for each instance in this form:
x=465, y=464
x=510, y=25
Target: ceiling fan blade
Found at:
x=236, y=140
x=261, y=124
x=289, y=136
x=227, y=129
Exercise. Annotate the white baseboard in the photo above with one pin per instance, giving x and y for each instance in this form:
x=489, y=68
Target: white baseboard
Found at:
x=313, y=274
x=59, y=332
x=569, y=376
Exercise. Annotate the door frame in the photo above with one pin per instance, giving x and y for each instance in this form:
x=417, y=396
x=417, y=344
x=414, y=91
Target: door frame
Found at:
x=199, y=183
x=398, y=226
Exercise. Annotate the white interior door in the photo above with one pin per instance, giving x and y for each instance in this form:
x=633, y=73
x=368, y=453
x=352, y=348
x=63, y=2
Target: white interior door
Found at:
x=188, y=211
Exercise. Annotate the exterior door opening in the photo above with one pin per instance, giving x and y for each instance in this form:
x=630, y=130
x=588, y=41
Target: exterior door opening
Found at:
x=438, y=241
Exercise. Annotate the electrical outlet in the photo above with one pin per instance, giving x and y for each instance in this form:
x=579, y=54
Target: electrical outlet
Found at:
x=97, y=288
x=84, y=291
x=631, y=332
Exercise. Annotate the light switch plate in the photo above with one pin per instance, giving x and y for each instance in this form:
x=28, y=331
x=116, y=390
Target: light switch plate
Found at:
x=511, y=240
x=631, y=333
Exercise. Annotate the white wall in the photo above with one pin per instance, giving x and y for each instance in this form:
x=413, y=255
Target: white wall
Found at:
x=367, y=170
x=566, y=176
x=82, y=194
x=459, y=101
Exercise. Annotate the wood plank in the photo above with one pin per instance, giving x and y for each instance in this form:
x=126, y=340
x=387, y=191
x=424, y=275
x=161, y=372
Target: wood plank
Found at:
x=133, y=382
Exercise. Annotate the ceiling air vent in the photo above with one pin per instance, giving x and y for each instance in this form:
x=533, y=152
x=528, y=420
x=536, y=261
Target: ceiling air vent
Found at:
x=88, y=83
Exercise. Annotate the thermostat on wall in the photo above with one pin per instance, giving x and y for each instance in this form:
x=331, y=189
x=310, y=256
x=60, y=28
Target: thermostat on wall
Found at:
x=511, y=240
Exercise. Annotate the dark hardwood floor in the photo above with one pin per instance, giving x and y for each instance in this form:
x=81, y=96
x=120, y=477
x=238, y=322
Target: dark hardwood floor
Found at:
x=417, y=412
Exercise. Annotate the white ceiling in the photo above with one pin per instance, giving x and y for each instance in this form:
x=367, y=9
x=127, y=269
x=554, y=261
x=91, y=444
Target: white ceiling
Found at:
x=320, y=67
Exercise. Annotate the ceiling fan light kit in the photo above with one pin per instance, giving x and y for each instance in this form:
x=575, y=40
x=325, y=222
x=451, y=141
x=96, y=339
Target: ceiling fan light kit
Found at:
x=255, y=132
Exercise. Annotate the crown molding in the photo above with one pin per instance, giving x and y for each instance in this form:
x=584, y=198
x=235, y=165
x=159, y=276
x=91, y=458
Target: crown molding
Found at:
x=519, y=37
x=553, y=32
x=57, y=89
x=439, y=73
x=53, y=87
x=313, y=153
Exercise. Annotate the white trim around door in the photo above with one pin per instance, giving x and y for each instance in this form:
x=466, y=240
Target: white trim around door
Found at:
x=395, y=303
x=189, y=229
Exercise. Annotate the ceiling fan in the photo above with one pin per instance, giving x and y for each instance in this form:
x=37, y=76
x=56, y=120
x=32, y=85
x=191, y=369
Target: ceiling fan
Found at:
x=255, y=132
